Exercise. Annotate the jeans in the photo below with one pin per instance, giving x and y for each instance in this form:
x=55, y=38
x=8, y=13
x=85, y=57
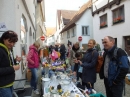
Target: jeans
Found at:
x=72, y=68
x=34, y=78
x=62, y=57
x=6, y=92
x=114, y=90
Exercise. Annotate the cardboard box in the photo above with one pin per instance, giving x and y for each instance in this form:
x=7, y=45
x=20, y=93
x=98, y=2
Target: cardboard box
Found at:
x=127, y=81
x=29, y=74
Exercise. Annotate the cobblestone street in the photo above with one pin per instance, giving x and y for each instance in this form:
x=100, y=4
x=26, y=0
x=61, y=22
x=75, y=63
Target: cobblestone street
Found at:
x=99, y=87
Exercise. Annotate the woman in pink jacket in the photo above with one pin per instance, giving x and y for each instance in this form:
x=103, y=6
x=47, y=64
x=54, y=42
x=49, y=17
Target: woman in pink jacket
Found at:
x=33, y=64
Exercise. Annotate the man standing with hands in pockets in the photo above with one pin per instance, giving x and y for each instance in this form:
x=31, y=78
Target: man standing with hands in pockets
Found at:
x=8, y=64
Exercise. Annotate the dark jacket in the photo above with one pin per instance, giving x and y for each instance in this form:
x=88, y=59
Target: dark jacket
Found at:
x=56, y=48
x=62, y=49
x=7, y=72
x=118, y=67
x=89, y=68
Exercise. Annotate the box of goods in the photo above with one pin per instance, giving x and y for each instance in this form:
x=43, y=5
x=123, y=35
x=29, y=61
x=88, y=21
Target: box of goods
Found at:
x=127, y=81
x=29, y=74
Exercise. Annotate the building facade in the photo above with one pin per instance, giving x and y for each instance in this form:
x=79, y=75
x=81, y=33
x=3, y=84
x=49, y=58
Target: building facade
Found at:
x=40, y=19
x=80, y=26
x=111, y=18
x=62, y=19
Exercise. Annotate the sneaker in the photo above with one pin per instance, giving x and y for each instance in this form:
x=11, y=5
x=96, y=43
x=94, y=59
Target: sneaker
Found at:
x=36, y=91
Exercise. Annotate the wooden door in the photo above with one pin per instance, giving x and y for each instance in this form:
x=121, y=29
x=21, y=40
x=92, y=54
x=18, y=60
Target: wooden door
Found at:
x=127, y=45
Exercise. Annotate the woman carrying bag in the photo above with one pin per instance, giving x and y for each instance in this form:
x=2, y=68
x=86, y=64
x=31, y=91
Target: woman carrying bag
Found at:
x=89, y=65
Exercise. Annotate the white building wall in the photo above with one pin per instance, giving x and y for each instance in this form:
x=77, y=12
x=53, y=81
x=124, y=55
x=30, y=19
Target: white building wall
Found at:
x=31, y=7
x=117, y=30
x=99, y=3
x=50, y=41
x=86, y=20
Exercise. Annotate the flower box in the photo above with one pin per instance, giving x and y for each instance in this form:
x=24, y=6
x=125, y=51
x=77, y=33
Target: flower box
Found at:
x=103, y=24
x=117, y=20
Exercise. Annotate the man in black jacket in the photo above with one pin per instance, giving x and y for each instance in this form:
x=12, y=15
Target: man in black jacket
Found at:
x=8, y=64
x=114, y=68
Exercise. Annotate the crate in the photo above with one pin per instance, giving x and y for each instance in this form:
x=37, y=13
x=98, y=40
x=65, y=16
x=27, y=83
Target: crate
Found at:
x=97, y=95
x=127, y=81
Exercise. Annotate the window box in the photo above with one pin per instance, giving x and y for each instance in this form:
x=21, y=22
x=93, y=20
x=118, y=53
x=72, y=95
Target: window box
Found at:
x=118, y=20
x=103, y=25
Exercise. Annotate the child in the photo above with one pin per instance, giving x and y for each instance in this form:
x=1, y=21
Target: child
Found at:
x=77, y=67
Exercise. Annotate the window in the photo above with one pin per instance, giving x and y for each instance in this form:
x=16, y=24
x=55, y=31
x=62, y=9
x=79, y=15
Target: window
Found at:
x=61, y=36
x=33, y=35
x=73, y=32
x=68, y=34
x=118, y=15
x=85, y=30
x=103, y=21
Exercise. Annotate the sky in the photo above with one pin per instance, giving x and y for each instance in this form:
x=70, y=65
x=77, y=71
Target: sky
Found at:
x=51, y=7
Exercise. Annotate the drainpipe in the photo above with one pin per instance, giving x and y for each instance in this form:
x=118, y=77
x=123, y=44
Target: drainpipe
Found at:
x=35, y=20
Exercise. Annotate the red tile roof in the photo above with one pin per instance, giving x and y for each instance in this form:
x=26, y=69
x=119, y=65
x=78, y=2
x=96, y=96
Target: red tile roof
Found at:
x=66, y=15
x=77, y=16
x=50, y=31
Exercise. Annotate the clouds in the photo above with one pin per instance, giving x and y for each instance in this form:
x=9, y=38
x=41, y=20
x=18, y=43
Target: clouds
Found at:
x=51, y=7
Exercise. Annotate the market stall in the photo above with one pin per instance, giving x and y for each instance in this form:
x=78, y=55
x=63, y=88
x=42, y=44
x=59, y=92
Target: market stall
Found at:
x=60, y=85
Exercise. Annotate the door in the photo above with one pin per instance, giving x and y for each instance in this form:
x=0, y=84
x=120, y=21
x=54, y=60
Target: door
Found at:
x=127, y=45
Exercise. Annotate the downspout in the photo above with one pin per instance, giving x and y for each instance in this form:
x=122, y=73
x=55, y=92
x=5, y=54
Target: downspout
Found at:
x=35, y=20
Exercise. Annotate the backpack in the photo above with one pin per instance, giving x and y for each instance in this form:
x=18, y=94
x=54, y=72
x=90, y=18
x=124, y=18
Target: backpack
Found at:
x=115, y=56
x=99, y=63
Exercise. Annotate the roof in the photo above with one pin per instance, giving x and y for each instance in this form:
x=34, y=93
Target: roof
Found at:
x=50, y=31
x=77, y=16
x=66, y=15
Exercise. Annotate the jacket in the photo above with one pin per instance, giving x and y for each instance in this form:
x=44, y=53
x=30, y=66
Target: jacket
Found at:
x=118, y=67
x=33, y=58
x=89, y=68
x=7, y=72
x=62, y=50
x=72, y=54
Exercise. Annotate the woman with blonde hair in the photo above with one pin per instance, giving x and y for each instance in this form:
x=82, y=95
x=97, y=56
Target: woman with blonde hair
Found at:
x=33, y=64
x=88, y=63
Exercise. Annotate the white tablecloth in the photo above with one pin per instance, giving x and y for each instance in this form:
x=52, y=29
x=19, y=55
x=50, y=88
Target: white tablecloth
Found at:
x=69, y=87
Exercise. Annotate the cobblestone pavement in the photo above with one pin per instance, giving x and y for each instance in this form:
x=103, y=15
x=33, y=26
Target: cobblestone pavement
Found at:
x=99, y=87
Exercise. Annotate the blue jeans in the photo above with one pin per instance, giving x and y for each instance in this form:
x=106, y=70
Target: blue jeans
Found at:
x=72, y=68
x=6, y=92
x=34, y=78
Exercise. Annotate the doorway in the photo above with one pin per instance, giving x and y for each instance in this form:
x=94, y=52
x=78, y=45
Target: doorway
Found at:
x=127, y=44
